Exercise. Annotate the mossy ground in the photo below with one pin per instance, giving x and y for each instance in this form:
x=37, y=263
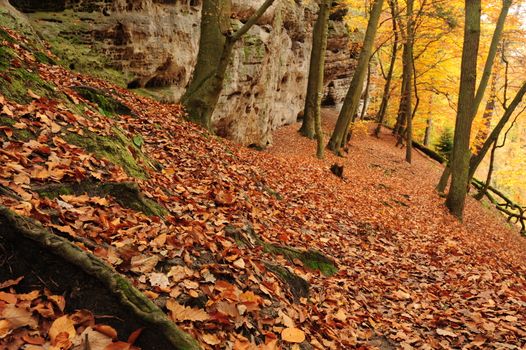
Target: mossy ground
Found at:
x=116, y=148
x=65, y=32
x=127, y=194
x=311, y=259
x=18, y=134
x=106, y=103
x=15, y=83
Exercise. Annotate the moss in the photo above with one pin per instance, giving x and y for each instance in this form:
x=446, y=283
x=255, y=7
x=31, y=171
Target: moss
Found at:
x=116, y=148
x=15, y=86
x=127, y=194
x=253, y=48
x=18, y=134
x=272, y=193
x=43, y=58
x=312, y=259
x=297, y=285
x=67, y=34
x=6, y=55
x=5, y=121
x=5, y=36
x=107, y=104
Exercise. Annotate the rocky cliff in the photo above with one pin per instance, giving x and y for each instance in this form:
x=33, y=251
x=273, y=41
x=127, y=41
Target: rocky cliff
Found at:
x=153, y=44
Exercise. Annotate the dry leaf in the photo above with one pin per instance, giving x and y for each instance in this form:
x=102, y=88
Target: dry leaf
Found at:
x=62, y=325
x=211, y=339
x=293, y=335
x=446, y=332
x=5, y=328
x=96, y=340
x=239, y=263
x=143, y=263
x=18, y=317
x=179, y=312
x=158, y=279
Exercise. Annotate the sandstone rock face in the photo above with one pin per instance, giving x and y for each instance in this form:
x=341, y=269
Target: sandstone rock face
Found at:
x=156, y=42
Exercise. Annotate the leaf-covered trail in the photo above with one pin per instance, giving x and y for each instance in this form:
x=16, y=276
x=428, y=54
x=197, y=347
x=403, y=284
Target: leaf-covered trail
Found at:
x=407, y=266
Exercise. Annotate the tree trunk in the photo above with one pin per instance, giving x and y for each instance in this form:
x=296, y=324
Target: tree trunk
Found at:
x=484, y=189
x=316, y=72
x=477, y=159
x=216, y=44
x=444, y=179
x=408, y=65
x=427, y=135
x=352, y=100
x=366, y=93
x=460, y=156
x=488, y=67
x=483, y=132
x=202, y=93
x=387, y=88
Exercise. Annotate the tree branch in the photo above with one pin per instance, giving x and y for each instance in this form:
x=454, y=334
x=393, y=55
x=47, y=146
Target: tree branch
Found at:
x=251, y=21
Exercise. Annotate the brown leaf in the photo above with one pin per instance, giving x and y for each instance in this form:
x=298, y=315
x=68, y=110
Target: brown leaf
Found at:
x=180, y=313
x=18, y=317
x=211, y=339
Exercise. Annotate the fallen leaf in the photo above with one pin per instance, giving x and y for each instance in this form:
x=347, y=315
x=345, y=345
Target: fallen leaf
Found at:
x=18, y=317
x=446, y=333
x=211, y=339
x=62, y=325
x=293, y=335
x=179, y=312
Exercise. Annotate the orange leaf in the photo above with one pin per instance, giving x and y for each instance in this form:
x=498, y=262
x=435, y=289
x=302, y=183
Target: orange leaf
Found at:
x=106, y=330
x=293, y=335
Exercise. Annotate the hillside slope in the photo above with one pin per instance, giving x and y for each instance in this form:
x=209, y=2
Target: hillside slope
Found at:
x=243, y=249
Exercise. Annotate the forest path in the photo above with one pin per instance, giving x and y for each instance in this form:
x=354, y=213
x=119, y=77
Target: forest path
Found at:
x=407, y=266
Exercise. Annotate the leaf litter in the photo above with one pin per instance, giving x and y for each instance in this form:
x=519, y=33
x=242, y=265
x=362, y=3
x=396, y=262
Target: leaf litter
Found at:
x=409, y=274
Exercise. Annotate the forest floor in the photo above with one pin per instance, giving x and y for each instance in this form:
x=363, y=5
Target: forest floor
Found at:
x=217, y=235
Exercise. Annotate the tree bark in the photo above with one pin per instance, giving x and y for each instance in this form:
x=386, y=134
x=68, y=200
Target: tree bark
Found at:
x=460, y=156
x=387, y=87
x=366, y=93
x=216, y=44
x=489, y=111
x=408, y=77
x=316, y=72
x=352, y=99
x=488, y=67
x=477, y=159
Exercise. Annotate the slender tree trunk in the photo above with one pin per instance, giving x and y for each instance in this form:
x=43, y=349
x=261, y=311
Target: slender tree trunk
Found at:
x=387, y=88
x=460, y=156
x=408, y=73
x=492, y=53
x=427, y=134
x=351, y=102
x=316, y=71
x=484, y=189
x=483, y=132
x=216, y=44
x=493, y=136
x=429, y=124
x=366, y=93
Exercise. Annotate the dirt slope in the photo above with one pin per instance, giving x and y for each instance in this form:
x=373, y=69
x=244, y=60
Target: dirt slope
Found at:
x=218, y=236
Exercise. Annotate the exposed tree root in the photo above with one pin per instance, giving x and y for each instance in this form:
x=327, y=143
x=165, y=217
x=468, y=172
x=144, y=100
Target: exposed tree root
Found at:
x=14, y=225
x=298, y=286
x=312, y=259
x=127, y=194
